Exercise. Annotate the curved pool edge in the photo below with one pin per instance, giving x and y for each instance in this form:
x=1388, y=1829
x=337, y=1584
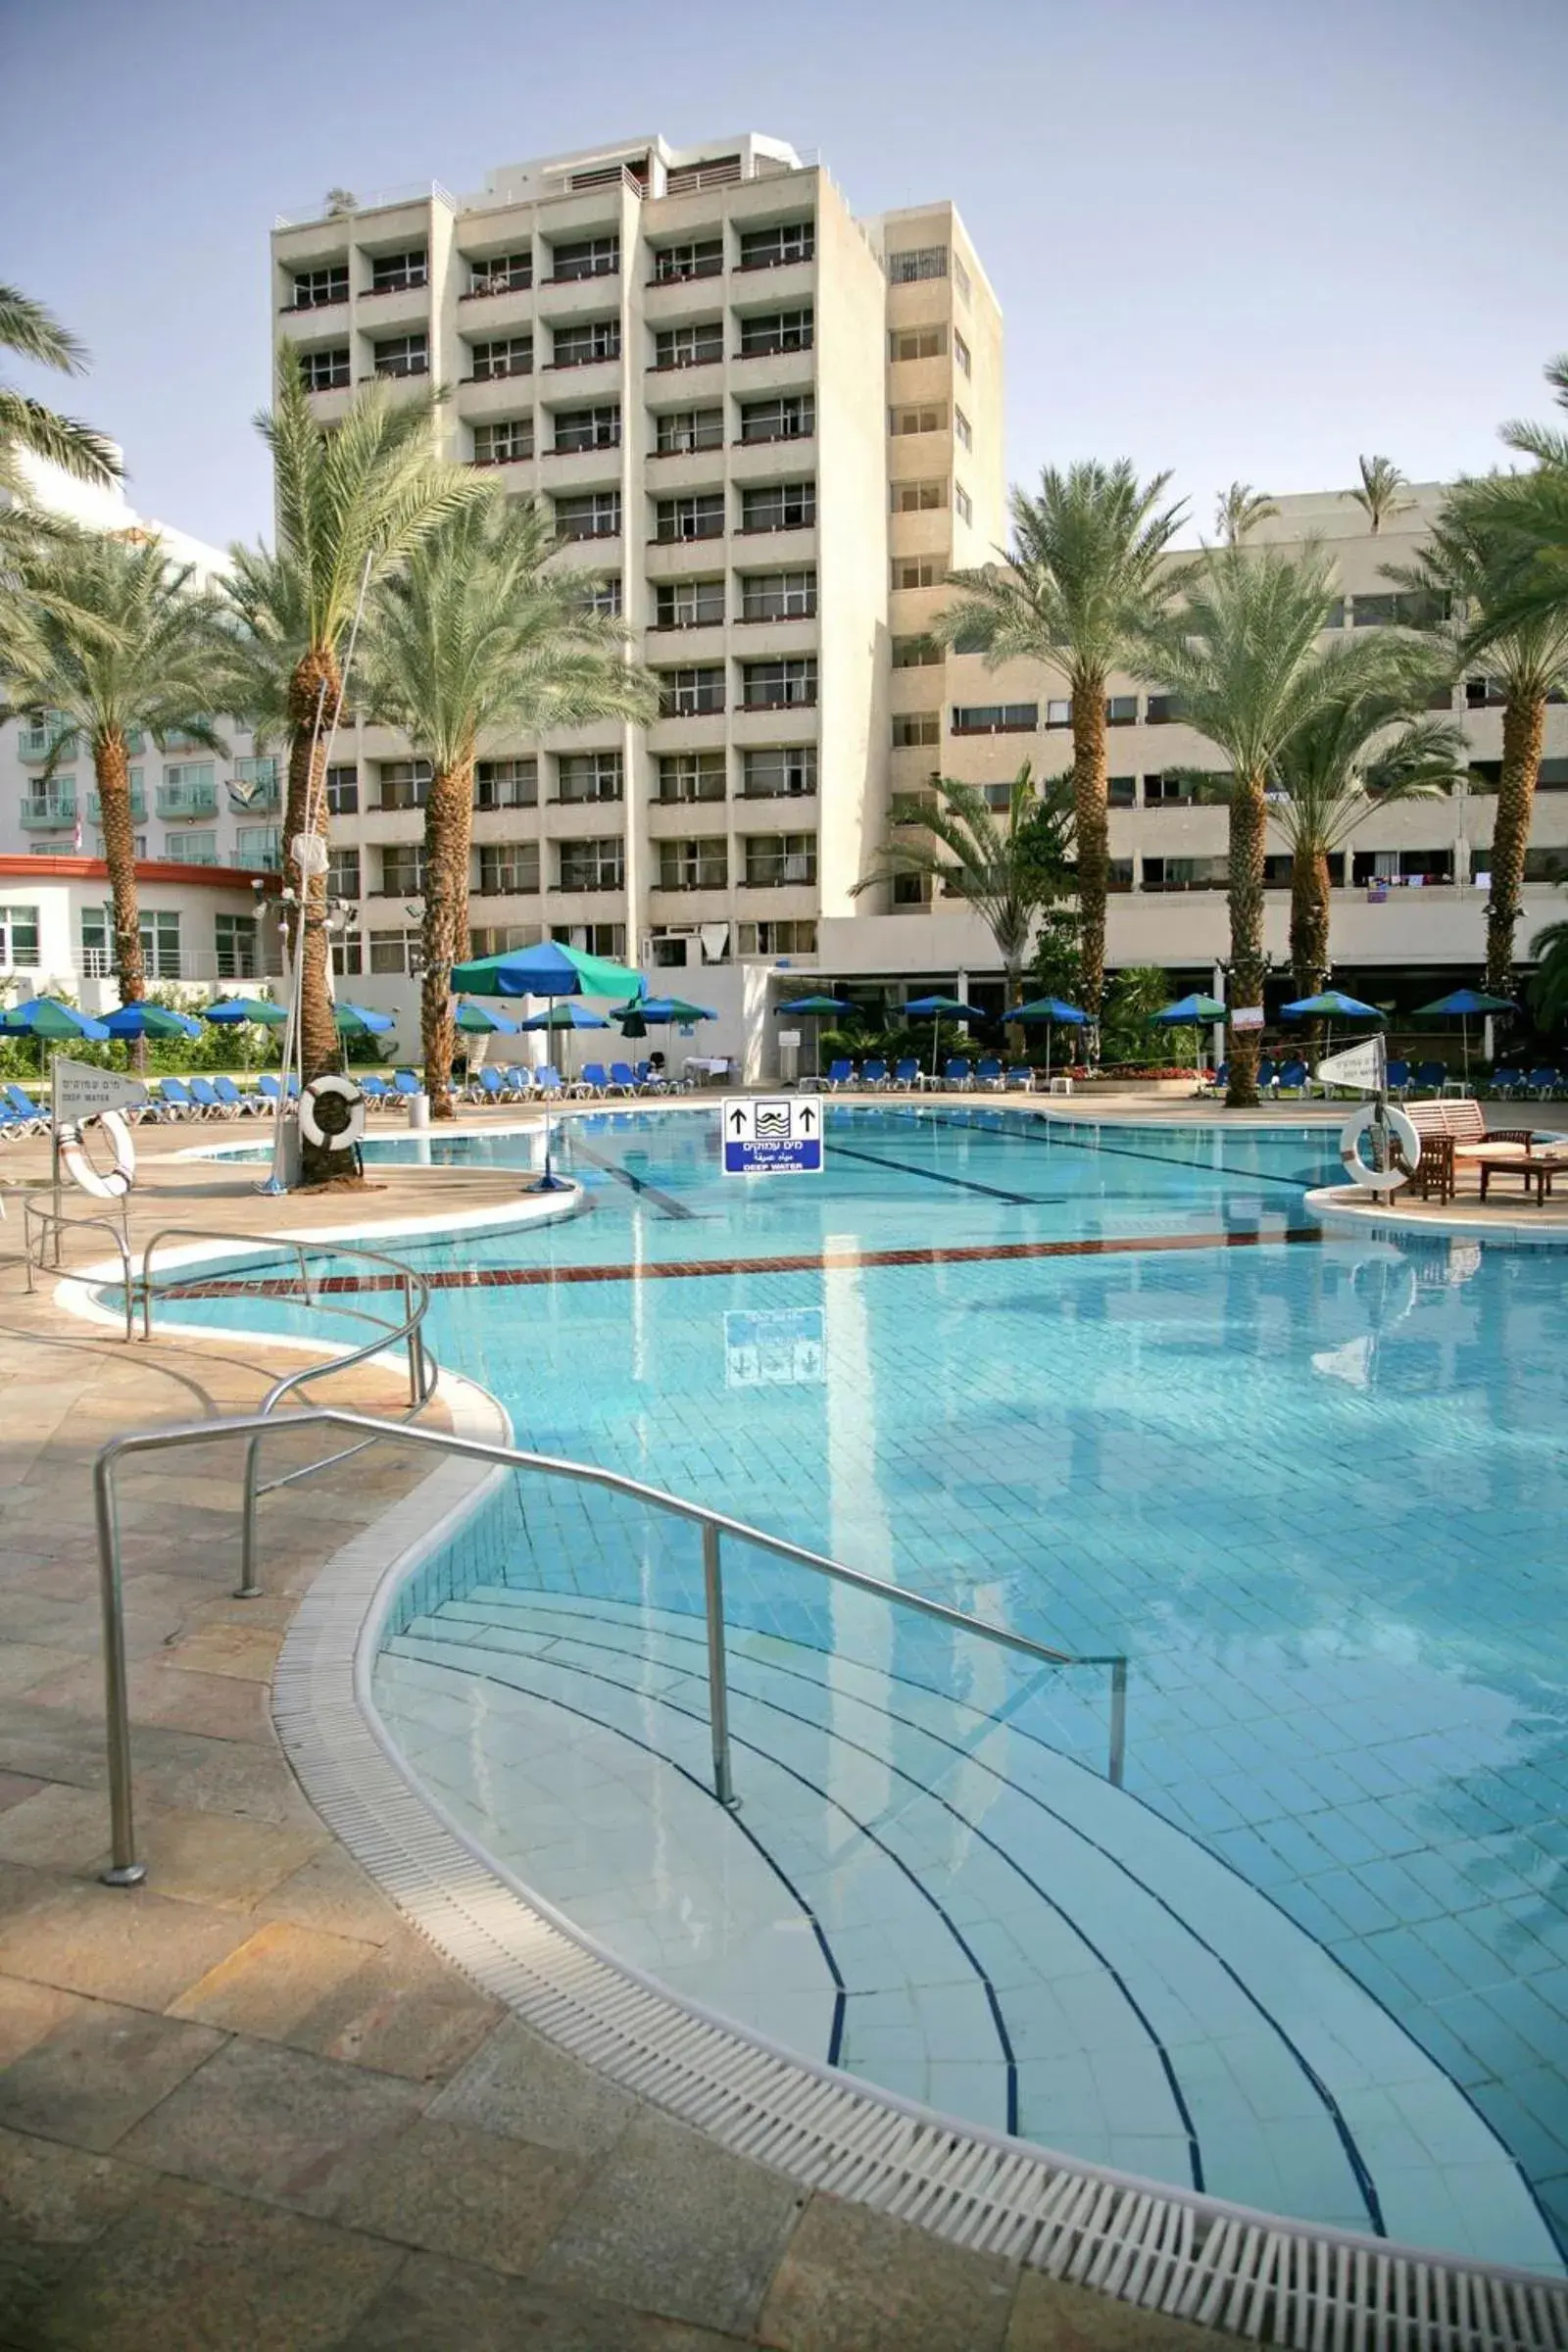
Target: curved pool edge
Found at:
x=1343, y=1211
x=1144, y=2242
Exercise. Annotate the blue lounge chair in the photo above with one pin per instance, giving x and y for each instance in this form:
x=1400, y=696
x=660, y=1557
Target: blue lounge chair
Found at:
x=488, y=1087
x=1543, y=1081
x=377, y=1091
x=1020, y=1078
x=957, y=1073
x=840, y=1073
x=239, y=1103
x=874, y=1073
x=651, y=1081
x=1431, y=1077
x=407, y=1082
x=1291, y=1078
x=592, y=1080
x=548, y=1079
x=1399, y=1077
x=622, y=1078
x=1507, y=1083
x=22, y=1111
x=1267, y=1074
x=177, y=1098
x=208, y=1101
x=988, y=1072
x=906, y=1073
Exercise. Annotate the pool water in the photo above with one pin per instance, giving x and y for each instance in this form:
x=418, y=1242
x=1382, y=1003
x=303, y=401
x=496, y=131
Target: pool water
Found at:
x=1112, y=1388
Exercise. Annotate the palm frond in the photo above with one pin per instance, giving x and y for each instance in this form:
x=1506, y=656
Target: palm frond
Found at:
x=78, y=449
x=1007, y=873
x=33, y=332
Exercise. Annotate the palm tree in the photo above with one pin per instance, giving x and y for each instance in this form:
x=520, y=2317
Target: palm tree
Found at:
x=350, y=502
x=1471, y=571
x=1010, y=872
x=1243, y=655
x=1240, y=511
x=1379, y=495
x=115, y=641
x=476, y=632
x=1370, y=748
x=33, y=334
x=1086, y=576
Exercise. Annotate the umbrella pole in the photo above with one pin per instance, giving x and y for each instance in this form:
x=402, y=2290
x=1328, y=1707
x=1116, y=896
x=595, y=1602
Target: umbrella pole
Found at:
x=1048, y=1057
x=549, y=1182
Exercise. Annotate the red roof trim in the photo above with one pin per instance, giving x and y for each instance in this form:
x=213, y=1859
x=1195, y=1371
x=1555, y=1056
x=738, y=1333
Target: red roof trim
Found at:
x=151, y=869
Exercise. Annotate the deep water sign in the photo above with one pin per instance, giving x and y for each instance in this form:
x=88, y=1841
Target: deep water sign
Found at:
x=772, y=1135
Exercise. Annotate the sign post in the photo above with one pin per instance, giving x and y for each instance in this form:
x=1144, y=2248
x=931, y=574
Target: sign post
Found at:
x=772, y=1135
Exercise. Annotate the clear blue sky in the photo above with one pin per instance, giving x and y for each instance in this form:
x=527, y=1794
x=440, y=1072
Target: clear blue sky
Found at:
x=1233, y=237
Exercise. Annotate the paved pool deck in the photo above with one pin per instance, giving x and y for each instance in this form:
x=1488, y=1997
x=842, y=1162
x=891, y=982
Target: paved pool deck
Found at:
x=244, y=2103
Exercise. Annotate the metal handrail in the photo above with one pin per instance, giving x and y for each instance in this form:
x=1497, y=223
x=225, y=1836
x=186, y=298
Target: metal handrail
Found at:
x=126, y=1871
x=35, y=1212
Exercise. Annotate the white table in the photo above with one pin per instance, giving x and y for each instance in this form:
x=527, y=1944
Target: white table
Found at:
x=705, y=1069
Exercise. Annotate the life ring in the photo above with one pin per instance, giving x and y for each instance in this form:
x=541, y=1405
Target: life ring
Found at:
x=1401, y=1128
x=114, y=1183
x=332, y=1113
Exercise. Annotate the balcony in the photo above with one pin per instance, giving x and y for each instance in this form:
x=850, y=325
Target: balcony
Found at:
x=782, y=698
x=138, y=808
x=38, y=740
x=186, y=800
x=43, y=812
x=255, y=787
x=267, y=859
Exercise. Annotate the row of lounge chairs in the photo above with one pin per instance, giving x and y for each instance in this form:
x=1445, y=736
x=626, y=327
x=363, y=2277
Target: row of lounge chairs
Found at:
x=1405, y=1084
x=519, y=1084
x=959, y=1075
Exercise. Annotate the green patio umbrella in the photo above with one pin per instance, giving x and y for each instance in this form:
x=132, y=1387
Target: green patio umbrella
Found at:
x=551, y=969
x=820, y=1007
x=1465, y=1001
x=1190, y=1011
x=1055, y=1015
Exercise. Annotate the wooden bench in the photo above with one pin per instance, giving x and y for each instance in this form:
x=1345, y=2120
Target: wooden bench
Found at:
x=1446, y=1127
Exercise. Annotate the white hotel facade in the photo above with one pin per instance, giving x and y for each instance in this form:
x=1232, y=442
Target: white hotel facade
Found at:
x=770, y=431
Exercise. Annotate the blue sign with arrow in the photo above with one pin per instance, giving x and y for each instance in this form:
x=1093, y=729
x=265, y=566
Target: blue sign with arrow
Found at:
x=772, y=1135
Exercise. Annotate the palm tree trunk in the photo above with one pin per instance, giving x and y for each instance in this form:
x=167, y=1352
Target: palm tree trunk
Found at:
x=448, y=825
x=1249, y=815
x=1524, y=728
x=112, y=775
x=1309, y=921
x=1092, y=831
x=306, y=812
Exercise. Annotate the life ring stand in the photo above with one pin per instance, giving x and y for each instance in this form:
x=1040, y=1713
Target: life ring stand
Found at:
x=1400, y=1127
x=332, y=1113
x=111, y=1184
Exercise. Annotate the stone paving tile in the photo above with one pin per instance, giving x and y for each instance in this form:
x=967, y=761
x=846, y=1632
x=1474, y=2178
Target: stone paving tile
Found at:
x=60, y=1827
x=120, y=1941
x=335, y=1895
x=211, y=1704
x=274, y=1978
x=28, y=2012
x=406, y=2012
x=221, y=1859
x=463, y=2193
x=273, y=2123
x=853, y=2276
x=675, y=2225
x=1049, y=2316
x=433, y=2305
x=16, y=1787
x=98, y=2072
x=524, y=2088
x=188, y=2267
x=51, y=2194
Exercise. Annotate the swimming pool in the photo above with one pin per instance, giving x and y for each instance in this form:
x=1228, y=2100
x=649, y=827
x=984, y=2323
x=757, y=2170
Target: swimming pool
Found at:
x=1111, y=1387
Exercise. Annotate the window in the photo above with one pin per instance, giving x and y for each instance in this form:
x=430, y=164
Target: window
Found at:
x=917, y=571
x=511, y=354
x=779, y=506
x=578, y=429
x=583, y=257
x=790, y=417
x=602, y=595
x=1415, y=608
x=236, y=939
x=699, y=256
x=191, y=849
x=917, y=342
x=318, y=289
x=595, y=515
x=772, y=247
x=579, y=346
x=960, y=351
x=775, y=939
x=348, y=955
x=592, y=939
x=404, y=783
x=960, y=278
x=342, y=791
x=1121, y=709
x=1334, y=617
x=694, y=864
x=342, y=873
x=774, y=860
x=504, y=869
x=1374, y=611
x=995, y=718
x=398, y=272
x=1164, y=792
x=680, y=432
x=402, y=870
x=689, y=346
x=781, y=685
x=19, y=939
x=915, y=653
x=325, y=371
x=963, y=430
x=395, y=951
x=1184, y=874
x=921, y=260
x=929, y=420
x=1162, y=710
x=918, y=498
x=1118, y=873
x=698, y=517
x=775, y=332
x=403, y=354
x=1121, y=792
x=691, y=776
x=689, y=604
x=501, y=273
x=507, y=442
x=691, y=693
x=779, y=772
x=778, y=596
x=506, y=784
x=589, y=776
x=159, y=943
x=910, y=890
x=1058, y=714
x=1484, y=694
x=190, y=789
x=963, y=503
x=910, y=727
x=591, y=864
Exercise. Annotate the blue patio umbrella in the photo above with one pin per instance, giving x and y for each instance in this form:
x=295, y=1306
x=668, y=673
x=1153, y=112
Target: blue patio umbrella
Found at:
x=477, y=1020
x=936, y=1010
x=1463, y=1002
x=360, y=1020
x=47, y=1017
x=150, y=1021
x=549, y=969
x=817, y=1008
x=230, y=1011
x=1191, y=1012
x=566, y=1015
x=1056, y=1013
x=1334, y=1005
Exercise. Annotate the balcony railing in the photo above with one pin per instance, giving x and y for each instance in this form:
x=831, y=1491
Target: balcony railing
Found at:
x=782, y=698
x=268, y=860
x=44, y=811
x=187, y=800
x=37, y=742
x=138, y=808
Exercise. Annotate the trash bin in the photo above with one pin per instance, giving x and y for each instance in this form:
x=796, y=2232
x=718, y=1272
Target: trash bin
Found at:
x=418, y=1110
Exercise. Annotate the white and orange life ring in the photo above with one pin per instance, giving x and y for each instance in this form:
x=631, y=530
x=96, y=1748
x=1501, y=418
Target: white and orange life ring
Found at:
x=103, y=1184
x=1402, y=1130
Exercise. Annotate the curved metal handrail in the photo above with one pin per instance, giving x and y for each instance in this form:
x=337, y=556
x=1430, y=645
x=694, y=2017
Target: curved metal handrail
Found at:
x=255, y=1428
x=54, y=1220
